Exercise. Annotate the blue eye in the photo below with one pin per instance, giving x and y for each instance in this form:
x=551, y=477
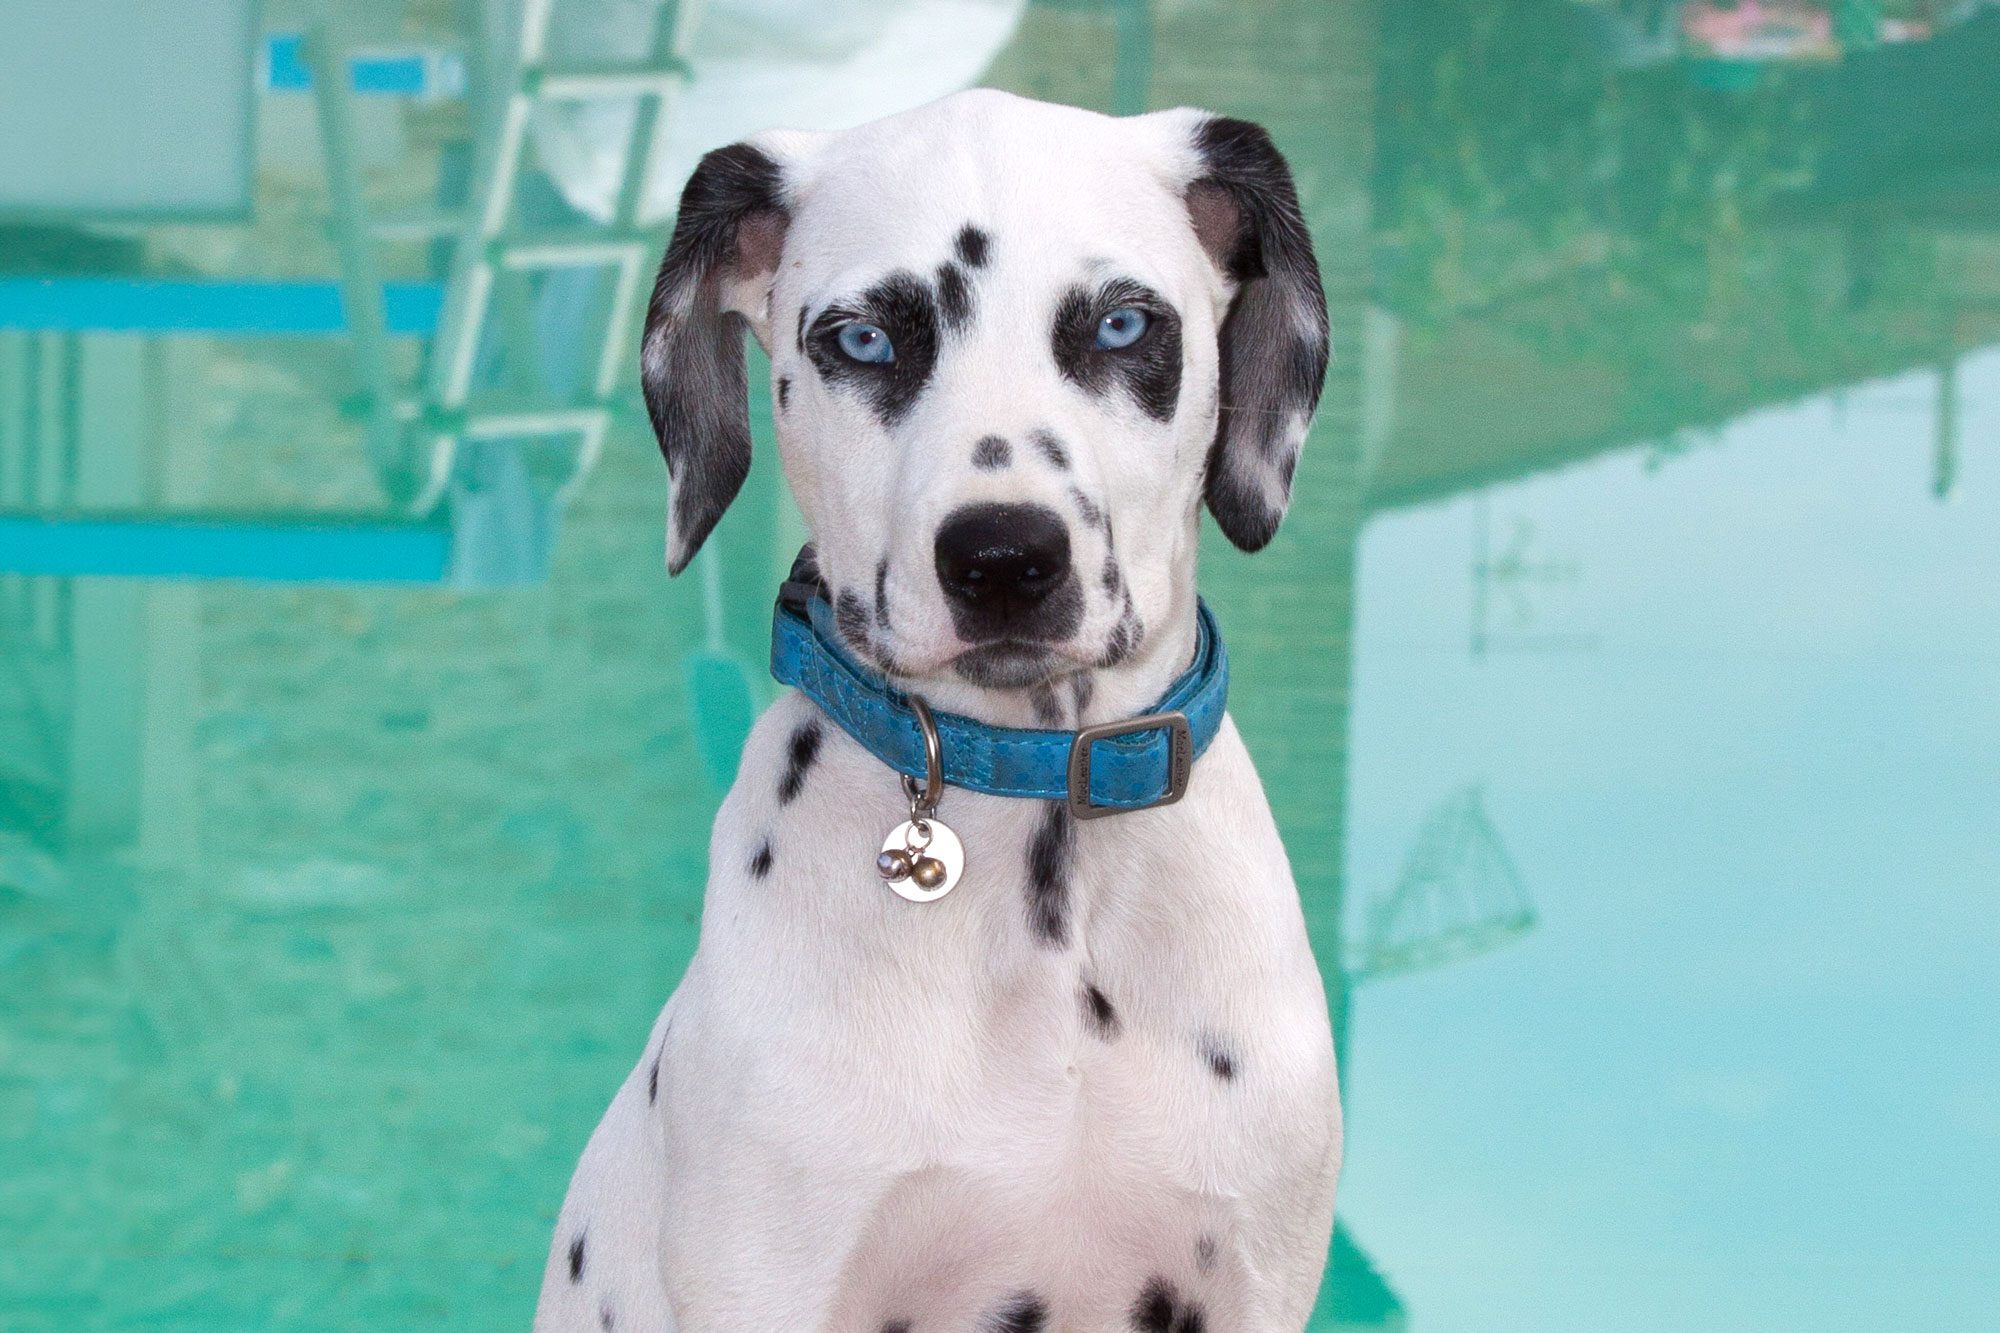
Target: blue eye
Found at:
x=1121, y=328
x=867, y=344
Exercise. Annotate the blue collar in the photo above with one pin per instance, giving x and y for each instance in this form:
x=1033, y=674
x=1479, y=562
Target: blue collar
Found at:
x=1101, y=770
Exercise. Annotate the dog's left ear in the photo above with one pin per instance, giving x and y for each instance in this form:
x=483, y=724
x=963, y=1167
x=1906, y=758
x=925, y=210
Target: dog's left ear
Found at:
x=1273, y=342
x=714, y=282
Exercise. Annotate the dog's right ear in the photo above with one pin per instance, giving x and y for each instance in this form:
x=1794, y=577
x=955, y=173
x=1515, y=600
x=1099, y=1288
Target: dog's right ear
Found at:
x=715, y=281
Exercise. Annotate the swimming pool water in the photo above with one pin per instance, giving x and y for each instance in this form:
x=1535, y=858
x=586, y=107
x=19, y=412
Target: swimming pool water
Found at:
x=1624, y=678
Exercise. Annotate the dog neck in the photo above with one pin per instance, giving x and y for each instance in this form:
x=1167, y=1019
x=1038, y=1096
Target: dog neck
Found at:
x=1084, y=697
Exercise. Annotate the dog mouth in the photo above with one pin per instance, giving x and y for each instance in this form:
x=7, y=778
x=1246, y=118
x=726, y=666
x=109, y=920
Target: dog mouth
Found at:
x=1011, y=664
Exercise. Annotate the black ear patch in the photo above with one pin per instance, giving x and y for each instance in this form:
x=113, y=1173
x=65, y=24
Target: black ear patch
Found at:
x=1273, y=344
x=726, y=239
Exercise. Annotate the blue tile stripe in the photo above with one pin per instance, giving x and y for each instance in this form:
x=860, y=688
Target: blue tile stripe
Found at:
x=260, y=548
x=374, y=74
x=276, y=308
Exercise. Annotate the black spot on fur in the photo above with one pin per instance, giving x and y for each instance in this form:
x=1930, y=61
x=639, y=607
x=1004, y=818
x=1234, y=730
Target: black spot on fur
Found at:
x=1047, y=711
x=904, y=307
x=1204, y=1253
x=1221, y=1060
x=1051, y=448
x=1112, y=578
x=784, y=392
x=1117, y=645
x=882, y=593
x=1103, y=1017
x=1024, y=1313
x=896, y=1326
x=653, y=1079
x=1125, y=635
x=760, y=864
x=992, y=452
x=1154, y=1310
x=1049, y=863
x=1148, y=372
x=954, y=296
x=799, y=759
x=1082, y=686
x=1088, y=509
x=972, y=246
x=606, y=1320
x=576, y=1258
x=853, y=621
x=802, y=331
x=851, y=617
x=1160, y=1309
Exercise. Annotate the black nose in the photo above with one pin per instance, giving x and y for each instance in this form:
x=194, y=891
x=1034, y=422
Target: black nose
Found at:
x=1002, y=560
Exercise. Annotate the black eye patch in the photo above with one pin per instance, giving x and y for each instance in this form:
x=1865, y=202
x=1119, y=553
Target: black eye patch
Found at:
x=1148, y=371
x=901, y=305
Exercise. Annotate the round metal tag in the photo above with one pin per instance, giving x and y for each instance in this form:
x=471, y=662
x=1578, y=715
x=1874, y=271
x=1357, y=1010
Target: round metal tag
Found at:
x=943, y=846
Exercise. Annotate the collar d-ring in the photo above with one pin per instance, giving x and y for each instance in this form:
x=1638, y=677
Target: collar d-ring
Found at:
x=933, y=760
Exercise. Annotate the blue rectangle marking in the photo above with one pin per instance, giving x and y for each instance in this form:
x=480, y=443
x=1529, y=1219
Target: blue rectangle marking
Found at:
x=371, y=74
x=222, y=307
x=274, y=549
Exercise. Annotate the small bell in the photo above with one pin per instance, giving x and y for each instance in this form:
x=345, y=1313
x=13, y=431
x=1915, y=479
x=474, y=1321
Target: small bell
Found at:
x=921, y=859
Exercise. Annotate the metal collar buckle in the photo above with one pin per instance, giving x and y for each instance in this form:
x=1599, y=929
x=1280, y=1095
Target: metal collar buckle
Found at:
x=1180, y=762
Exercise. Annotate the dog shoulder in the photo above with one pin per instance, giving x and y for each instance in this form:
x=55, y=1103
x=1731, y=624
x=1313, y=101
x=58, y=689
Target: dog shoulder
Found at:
x=603, y=1267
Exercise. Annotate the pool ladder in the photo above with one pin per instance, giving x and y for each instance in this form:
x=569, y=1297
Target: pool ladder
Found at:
x=415, y=437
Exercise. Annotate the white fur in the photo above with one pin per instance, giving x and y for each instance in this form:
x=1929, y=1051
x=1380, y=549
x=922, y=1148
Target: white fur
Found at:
x=870, y=1110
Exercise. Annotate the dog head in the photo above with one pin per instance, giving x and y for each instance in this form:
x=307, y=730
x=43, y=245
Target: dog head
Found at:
x=1013, y=348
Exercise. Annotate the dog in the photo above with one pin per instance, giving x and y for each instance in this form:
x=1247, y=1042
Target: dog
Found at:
x=1015, y=347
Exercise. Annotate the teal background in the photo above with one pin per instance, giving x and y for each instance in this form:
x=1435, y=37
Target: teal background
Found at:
x=1624, y=681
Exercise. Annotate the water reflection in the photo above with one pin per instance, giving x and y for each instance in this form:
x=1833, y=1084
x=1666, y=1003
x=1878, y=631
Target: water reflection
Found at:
x=331, y=901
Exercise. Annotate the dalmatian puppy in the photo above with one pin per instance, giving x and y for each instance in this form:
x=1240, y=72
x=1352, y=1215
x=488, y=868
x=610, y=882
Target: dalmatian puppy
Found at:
x=1015, y=347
